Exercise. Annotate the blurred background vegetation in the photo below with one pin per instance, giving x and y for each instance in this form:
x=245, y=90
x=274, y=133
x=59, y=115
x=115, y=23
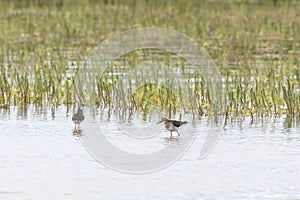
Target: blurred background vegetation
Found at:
x=254, y=43
x=227, y=29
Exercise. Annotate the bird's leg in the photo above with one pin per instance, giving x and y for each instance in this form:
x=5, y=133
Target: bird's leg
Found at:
x=75, y=126
x=178, y=133
x=171, y=133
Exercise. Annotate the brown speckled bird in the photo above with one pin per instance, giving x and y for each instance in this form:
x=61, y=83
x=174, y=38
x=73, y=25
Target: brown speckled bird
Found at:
x=78, y=118
x=172, y=125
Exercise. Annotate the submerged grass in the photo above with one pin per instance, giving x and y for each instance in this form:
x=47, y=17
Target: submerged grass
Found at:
x=42, y=44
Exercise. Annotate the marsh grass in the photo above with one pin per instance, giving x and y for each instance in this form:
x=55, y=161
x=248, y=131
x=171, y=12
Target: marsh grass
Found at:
x=42, y=44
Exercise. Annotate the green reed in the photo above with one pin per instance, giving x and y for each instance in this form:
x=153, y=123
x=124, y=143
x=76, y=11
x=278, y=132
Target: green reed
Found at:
x=42, y=45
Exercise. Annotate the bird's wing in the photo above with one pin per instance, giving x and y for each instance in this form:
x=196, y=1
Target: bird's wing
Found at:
x=75, y=116
x=176, y=123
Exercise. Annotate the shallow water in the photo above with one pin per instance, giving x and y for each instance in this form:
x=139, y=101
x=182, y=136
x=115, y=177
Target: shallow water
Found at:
x=40, y=158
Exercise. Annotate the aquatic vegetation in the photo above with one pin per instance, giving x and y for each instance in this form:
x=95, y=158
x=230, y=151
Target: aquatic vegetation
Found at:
x=43, y=43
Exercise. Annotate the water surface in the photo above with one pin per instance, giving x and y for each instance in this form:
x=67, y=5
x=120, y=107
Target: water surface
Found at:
x=40, y=158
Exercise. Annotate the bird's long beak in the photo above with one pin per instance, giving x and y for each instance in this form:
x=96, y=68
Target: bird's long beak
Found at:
x=159, y=122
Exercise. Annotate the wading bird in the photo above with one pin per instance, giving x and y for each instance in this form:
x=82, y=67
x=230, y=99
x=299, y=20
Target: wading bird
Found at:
x=78, y=118
x=172, y=125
